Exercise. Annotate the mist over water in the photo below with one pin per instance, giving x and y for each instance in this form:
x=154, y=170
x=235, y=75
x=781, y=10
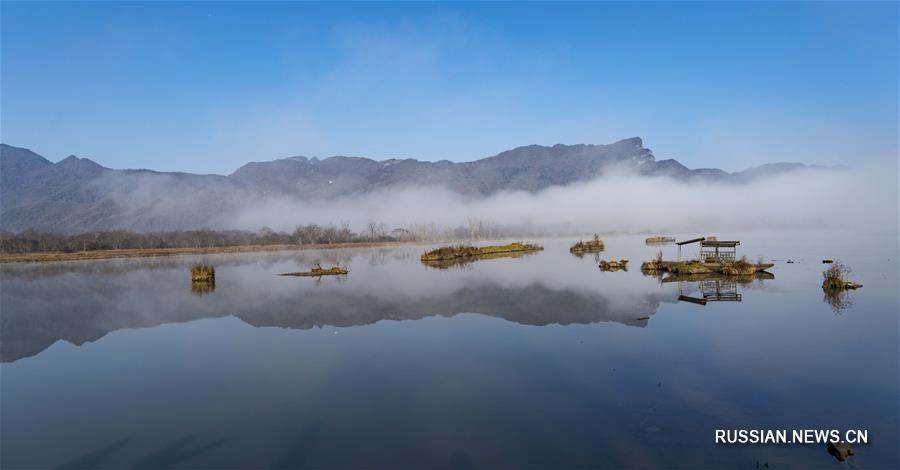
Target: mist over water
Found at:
x=619, y=201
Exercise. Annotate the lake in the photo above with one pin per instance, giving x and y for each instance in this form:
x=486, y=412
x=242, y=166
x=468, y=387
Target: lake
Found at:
x=540, y=361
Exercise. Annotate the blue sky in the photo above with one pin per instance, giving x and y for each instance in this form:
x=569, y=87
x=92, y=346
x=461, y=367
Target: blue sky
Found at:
x=206, y=87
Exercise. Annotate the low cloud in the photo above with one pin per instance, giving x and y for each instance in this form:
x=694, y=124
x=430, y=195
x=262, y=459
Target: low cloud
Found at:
x=617, y=202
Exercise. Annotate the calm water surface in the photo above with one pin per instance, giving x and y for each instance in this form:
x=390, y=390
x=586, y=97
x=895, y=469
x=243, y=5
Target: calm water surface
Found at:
x=541, y=361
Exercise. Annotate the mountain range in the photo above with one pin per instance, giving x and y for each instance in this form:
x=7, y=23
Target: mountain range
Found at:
x=77, y=194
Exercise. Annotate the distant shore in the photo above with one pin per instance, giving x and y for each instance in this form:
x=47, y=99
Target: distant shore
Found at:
x=51, y=256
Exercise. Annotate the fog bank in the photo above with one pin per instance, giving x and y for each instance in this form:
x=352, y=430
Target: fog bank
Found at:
x=617, y=202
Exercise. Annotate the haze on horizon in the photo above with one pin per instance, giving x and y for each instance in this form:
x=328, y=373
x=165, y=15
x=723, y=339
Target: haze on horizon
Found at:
x=206, y=87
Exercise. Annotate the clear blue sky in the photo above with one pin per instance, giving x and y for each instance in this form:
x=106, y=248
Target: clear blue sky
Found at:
x=206, y=87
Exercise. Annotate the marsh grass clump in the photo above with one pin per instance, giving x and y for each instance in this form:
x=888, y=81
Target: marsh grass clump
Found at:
x=447, y=253
x=837, y=277
x=690, y=267
x=203, y=279
x=203, y=273
x=589, y=246
x=614, y=265
x=738, y=267
x=659, y=239
x=510, y=248
x=318, y=270
x=656, y=264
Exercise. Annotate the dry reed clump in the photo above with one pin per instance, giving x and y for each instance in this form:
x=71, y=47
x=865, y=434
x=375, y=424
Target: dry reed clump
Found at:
x=318, y=270
x=740, y=267
x=450, y=252
x=203, y=279
x=836, y=277
x=659, y=239
x=690, y=267
x=203, y=273
x=589, y=246
x=656, y=264
x=446, y=253
x=614, y=265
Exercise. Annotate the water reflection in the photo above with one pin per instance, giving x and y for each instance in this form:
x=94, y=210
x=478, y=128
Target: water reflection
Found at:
x=468, y=261
x=112, y=296
x=200, y=288
x=838, y=299
x=595, y=255
x=712, y=287
x=471, y=372
x=27, y=331
x=178, y=451
x=97, y=458
x=124, y=294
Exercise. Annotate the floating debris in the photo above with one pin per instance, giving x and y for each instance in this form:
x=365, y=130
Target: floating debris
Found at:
x=318, y=270
x=614, y=265
x=827, y=261
x=591, y=246
x=643, y=318
x=449, y=253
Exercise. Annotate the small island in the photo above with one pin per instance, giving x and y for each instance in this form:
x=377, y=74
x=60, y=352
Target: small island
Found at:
x=716, y=256
x=203, y=273
x=658, y=239
x=837, y=278
x=614, y=265
x=318, y=270
x=457, y=252
x=591, y=246
x=203, y=279
x=739, y=267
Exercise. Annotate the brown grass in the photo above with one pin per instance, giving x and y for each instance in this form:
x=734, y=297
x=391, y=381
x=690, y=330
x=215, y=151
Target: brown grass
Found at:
x=837, y=277
x=739, y=267
x=690, y=267
x=446, y=253
x=587, y=246
x=319, y=271
x=614, y=265
x=203, y=273
x=43, y=257
x=659, y=239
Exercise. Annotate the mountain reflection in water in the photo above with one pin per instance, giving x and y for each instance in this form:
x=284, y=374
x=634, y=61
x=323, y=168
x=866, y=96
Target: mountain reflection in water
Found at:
x=118, y=298
x=515, y=362
x=102, y=297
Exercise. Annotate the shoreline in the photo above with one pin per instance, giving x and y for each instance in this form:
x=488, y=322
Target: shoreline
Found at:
x=50, y=256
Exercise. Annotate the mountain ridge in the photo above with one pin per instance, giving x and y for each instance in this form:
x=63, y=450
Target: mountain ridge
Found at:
x=78, y=194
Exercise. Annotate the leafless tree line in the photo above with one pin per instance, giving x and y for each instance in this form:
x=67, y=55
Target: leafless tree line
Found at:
x=33, y=241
